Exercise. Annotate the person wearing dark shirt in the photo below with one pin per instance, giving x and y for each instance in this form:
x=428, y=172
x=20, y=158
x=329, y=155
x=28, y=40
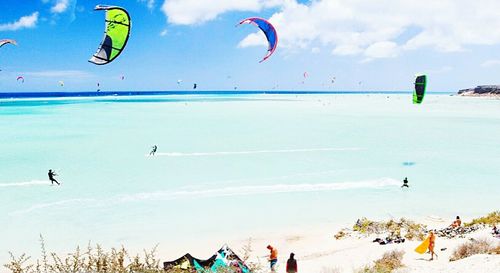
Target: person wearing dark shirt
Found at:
x=291, y=264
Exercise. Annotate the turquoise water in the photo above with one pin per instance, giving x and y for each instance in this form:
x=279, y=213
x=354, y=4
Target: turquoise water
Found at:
x=235, y=164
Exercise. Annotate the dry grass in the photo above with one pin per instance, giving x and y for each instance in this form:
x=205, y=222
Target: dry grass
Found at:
x=490, y=220
x=473, y=247
x=247, y=250
x=390, y=261
x=495, y=250
x=410, y=229
x=341, y=234
x=96, y=259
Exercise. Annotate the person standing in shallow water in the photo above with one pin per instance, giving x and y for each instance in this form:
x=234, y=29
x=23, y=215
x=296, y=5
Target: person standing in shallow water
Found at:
x=51, y=177
x=291, y=264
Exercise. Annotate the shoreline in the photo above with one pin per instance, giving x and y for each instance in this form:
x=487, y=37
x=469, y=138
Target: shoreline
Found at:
x=318, y=251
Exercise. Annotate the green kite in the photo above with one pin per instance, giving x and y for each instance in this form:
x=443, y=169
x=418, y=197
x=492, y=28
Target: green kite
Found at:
x=420, y=86
x=116, y=33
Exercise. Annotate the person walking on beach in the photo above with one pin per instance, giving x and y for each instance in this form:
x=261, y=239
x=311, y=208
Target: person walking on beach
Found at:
x=405, y=183
x=51, y=177
x=291, y=264
x=432, y=244
x=273, y=257
x=153, y=150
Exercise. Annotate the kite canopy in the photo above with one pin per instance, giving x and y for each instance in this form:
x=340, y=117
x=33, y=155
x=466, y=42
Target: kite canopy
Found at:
x=7, y=41
x=116, y=33
x=420, y=86
x=269, y=31
x=20, y=78
x=224, y=258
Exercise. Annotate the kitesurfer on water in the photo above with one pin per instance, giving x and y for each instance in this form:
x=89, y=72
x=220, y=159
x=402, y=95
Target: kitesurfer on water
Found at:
x=153, y=150
x=405, y=183
x=51, y=177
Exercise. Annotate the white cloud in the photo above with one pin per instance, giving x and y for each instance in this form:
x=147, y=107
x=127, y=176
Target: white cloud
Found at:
x=383, y=49
x=371, y=29
x=490, y=63
x=149, y=3
x=189, y=12
x=28, y=21
x=60, y=6
x=254, y=39
x=164, y=32
x=58, y=74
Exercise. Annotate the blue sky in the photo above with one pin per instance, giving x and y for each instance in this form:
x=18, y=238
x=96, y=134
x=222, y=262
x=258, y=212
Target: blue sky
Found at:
x=380, y=43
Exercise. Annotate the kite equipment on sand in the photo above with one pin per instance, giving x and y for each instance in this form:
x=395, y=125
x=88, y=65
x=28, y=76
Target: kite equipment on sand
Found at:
x=116, y=33
x=224, y=259
x=269, y=31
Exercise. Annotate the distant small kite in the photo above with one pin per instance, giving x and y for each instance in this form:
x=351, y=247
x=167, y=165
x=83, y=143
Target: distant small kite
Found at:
x=20, y=78
x=7, y=41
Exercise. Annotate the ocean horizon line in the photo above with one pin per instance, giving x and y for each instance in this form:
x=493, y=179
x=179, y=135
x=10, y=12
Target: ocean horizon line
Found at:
x=12, y=95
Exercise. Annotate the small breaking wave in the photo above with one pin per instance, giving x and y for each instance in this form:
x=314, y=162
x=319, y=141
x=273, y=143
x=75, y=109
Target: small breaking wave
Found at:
x=25, y=184
x=260, y=190
x=220, y=192
x=224, y=153
x=52, y=204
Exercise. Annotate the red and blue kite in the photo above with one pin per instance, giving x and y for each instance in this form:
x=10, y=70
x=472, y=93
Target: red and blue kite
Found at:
x=269, y=31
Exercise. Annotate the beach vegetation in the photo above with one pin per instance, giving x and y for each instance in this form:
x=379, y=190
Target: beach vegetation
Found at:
x=410, y=229
x=97, y=259
x=247, y=256
x=472, y=247
x=495, y=250
x=389, y=262
x=341, y=234
x=491, y=219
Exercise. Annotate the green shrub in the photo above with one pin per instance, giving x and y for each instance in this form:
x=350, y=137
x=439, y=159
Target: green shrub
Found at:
x=491, y=219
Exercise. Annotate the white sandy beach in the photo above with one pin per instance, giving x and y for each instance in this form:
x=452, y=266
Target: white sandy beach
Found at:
x=317, y=251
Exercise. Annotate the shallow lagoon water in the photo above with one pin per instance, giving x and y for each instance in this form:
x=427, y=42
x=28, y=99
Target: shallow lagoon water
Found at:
x=232, y=164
